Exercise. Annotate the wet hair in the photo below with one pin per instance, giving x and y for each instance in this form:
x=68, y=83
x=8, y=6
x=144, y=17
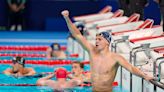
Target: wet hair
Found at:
x=80, y=64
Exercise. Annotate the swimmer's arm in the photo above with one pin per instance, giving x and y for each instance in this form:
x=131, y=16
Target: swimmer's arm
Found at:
x=7, y=71
x=124, y=63
x=47, y=77
x=70, y=76
x=42, y=81
x=31, y=72
x=76, y=33
x=75, y=82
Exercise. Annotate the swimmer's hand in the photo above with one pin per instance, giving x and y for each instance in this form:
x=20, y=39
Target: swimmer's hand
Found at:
x=17, y=75
x=148, y=78
x=65, y=13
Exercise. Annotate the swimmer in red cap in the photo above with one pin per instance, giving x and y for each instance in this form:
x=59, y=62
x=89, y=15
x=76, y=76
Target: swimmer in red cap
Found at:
x=18, y=68
x=104, y=63
x=55, y=51
x=60, y=83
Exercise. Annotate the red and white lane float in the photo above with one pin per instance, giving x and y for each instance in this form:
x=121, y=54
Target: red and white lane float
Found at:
x=44, y=62
x=33, y=55
x=24, y=84
x=27, y=48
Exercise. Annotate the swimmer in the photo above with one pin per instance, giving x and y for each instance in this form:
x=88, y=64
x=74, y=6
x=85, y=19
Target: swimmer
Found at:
x=18, y=68
x=78, y=72
x=55, y=51
x=60, y=83
x=104, y=63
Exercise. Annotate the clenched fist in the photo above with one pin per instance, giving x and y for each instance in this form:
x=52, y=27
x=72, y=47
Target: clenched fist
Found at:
x=65, y=13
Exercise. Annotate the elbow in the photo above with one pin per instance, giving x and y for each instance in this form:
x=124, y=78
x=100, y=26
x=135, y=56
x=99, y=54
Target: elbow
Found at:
x=6, y=72
x=39, y=82
x=33, y=73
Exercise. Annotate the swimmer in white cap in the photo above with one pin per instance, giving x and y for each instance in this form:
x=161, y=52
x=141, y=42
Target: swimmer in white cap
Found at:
x=55, y=51
x=18, y=68
x=104, y=63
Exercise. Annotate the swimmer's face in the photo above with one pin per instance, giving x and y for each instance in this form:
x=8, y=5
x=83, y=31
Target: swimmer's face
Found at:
x=16, y=67
x=76, y=69
x=101, y=42
x=56, y=52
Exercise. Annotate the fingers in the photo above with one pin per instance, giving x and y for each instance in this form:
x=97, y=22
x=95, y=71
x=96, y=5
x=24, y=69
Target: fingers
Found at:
x=65, y=13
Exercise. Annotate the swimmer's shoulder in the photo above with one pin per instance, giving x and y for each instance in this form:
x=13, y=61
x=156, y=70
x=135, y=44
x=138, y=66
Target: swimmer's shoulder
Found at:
x=118, y=57
x=49, y=49
x=29, y=69
x=115, y=56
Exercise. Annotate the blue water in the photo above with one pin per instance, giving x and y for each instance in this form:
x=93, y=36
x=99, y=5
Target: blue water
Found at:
x=5, y=79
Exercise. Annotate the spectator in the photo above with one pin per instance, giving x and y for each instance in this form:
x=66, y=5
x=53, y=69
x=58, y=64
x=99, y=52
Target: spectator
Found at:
x=124, y=5
x=161, y=4
x=16, y=10
x=137, y=6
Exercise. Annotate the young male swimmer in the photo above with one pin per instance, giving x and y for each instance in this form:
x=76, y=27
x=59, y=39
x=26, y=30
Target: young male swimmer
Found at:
x=18, y=68
x=104, y=63
x=78, y=73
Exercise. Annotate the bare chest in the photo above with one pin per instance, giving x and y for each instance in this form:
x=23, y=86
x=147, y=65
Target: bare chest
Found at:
x=102, y=65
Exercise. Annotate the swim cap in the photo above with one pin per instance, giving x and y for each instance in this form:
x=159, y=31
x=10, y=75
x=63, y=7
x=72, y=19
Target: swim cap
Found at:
x=106, y=35
x=55, y=46
x=19, y=60
x=61, y=73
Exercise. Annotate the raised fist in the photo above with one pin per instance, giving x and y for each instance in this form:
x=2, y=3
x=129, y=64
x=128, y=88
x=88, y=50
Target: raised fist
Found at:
x=65, y=13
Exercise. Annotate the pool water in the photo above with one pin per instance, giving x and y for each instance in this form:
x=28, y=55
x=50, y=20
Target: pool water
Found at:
x=5, y=79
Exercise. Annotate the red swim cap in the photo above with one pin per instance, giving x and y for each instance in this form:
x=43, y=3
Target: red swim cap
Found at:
x=61, y=73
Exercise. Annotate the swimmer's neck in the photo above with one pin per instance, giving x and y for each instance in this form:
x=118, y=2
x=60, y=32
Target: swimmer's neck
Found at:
x=104, y=51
